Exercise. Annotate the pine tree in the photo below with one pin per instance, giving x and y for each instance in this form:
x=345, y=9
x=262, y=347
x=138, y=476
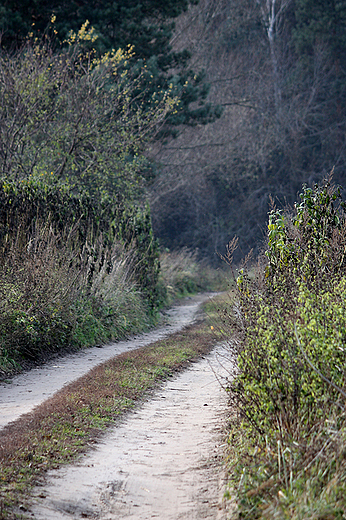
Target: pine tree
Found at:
x=145, y=25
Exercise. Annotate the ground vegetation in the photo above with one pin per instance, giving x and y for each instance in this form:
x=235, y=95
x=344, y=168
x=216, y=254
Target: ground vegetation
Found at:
x=79, y=263
x=287, y=440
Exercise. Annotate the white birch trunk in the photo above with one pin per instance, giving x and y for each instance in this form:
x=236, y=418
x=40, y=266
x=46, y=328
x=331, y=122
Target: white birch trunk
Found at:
x=272, y=14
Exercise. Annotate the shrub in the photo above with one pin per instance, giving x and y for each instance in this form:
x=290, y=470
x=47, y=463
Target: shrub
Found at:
x=291, y=357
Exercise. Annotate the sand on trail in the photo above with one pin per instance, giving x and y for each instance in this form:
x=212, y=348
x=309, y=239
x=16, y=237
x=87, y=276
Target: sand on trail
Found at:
x=163, y=461
x=29, y=389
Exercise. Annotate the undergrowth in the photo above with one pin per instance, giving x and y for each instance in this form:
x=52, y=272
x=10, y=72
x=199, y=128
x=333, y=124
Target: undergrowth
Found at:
x=79, y=264
x=72, y=274
x=66, y=286
x=78, y=261
x=288, y=437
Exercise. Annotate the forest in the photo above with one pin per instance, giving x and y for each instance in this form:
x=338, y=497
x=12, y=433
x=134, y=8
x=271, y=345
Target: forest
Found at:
x=277, y=70
x=136, y=133
x=261, y=111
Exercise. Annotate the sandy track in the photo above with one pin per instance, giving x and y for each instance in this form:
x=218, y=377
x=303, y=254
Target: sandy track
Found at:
x=163, y=461
x=31, y=388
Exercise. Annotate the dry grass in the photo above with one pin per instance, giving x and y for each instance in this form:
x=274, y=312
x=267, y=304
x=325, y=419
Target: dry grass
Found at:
x=54, y=297
x=182, y=273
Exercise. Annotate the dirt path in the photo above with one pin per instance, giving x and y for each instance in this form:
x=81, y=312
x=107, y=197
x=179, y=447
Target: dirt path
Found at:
x=30, y=389
x=163, y=462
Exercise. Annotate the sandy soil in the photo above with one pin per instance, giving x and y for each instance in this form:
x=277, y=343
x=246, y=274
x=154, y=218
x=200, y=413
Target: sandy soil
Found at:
x=163, y=462
x=24, y=392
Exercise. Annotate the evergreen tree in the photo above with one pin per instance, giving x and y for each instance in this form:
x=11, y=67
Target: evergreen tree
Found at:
x=145, y=25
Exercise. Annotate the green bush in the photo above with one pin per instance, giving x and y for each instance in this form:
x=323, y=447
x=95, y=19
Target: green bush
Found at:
x=291, y=364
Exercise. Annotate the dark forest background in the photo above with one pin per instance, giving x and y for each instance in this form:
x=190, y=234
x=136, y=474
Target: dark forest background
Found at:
x=262, y=96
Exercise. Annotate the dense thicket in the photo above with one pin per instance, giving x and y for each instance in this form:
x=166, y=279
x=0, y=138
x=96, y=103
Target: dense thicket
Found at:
x=71, y=140
x=279, y=71
x=290, y=353
x=74, y=271
x=89, y=224
x=79, y=261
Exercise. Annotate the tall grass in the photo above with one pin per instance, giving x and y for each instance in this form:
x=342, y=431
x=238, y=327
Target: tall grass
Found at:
x=54, y=296
x=182, y=274
x=74, y=273
x=111, y=303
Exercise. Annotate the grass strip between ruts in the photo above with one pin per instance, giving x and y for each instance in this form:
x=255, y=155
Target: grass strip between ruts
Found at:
x=70, y=422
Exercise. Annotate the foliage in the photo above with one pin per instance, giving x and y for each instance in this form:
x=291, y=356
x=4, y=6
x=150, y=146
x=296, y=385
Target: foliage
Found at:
x=146, y=26
x=79, y=262
x=70, y=117
x=313, y=23
x=70, y=215
x=70, y=274
x=290, y=385
x=85, y=221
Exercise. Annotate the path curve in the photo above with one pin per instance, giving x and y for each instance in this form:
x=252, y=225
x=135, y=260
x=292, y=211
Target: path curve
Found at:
x=31, y=388
x=163, y=461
